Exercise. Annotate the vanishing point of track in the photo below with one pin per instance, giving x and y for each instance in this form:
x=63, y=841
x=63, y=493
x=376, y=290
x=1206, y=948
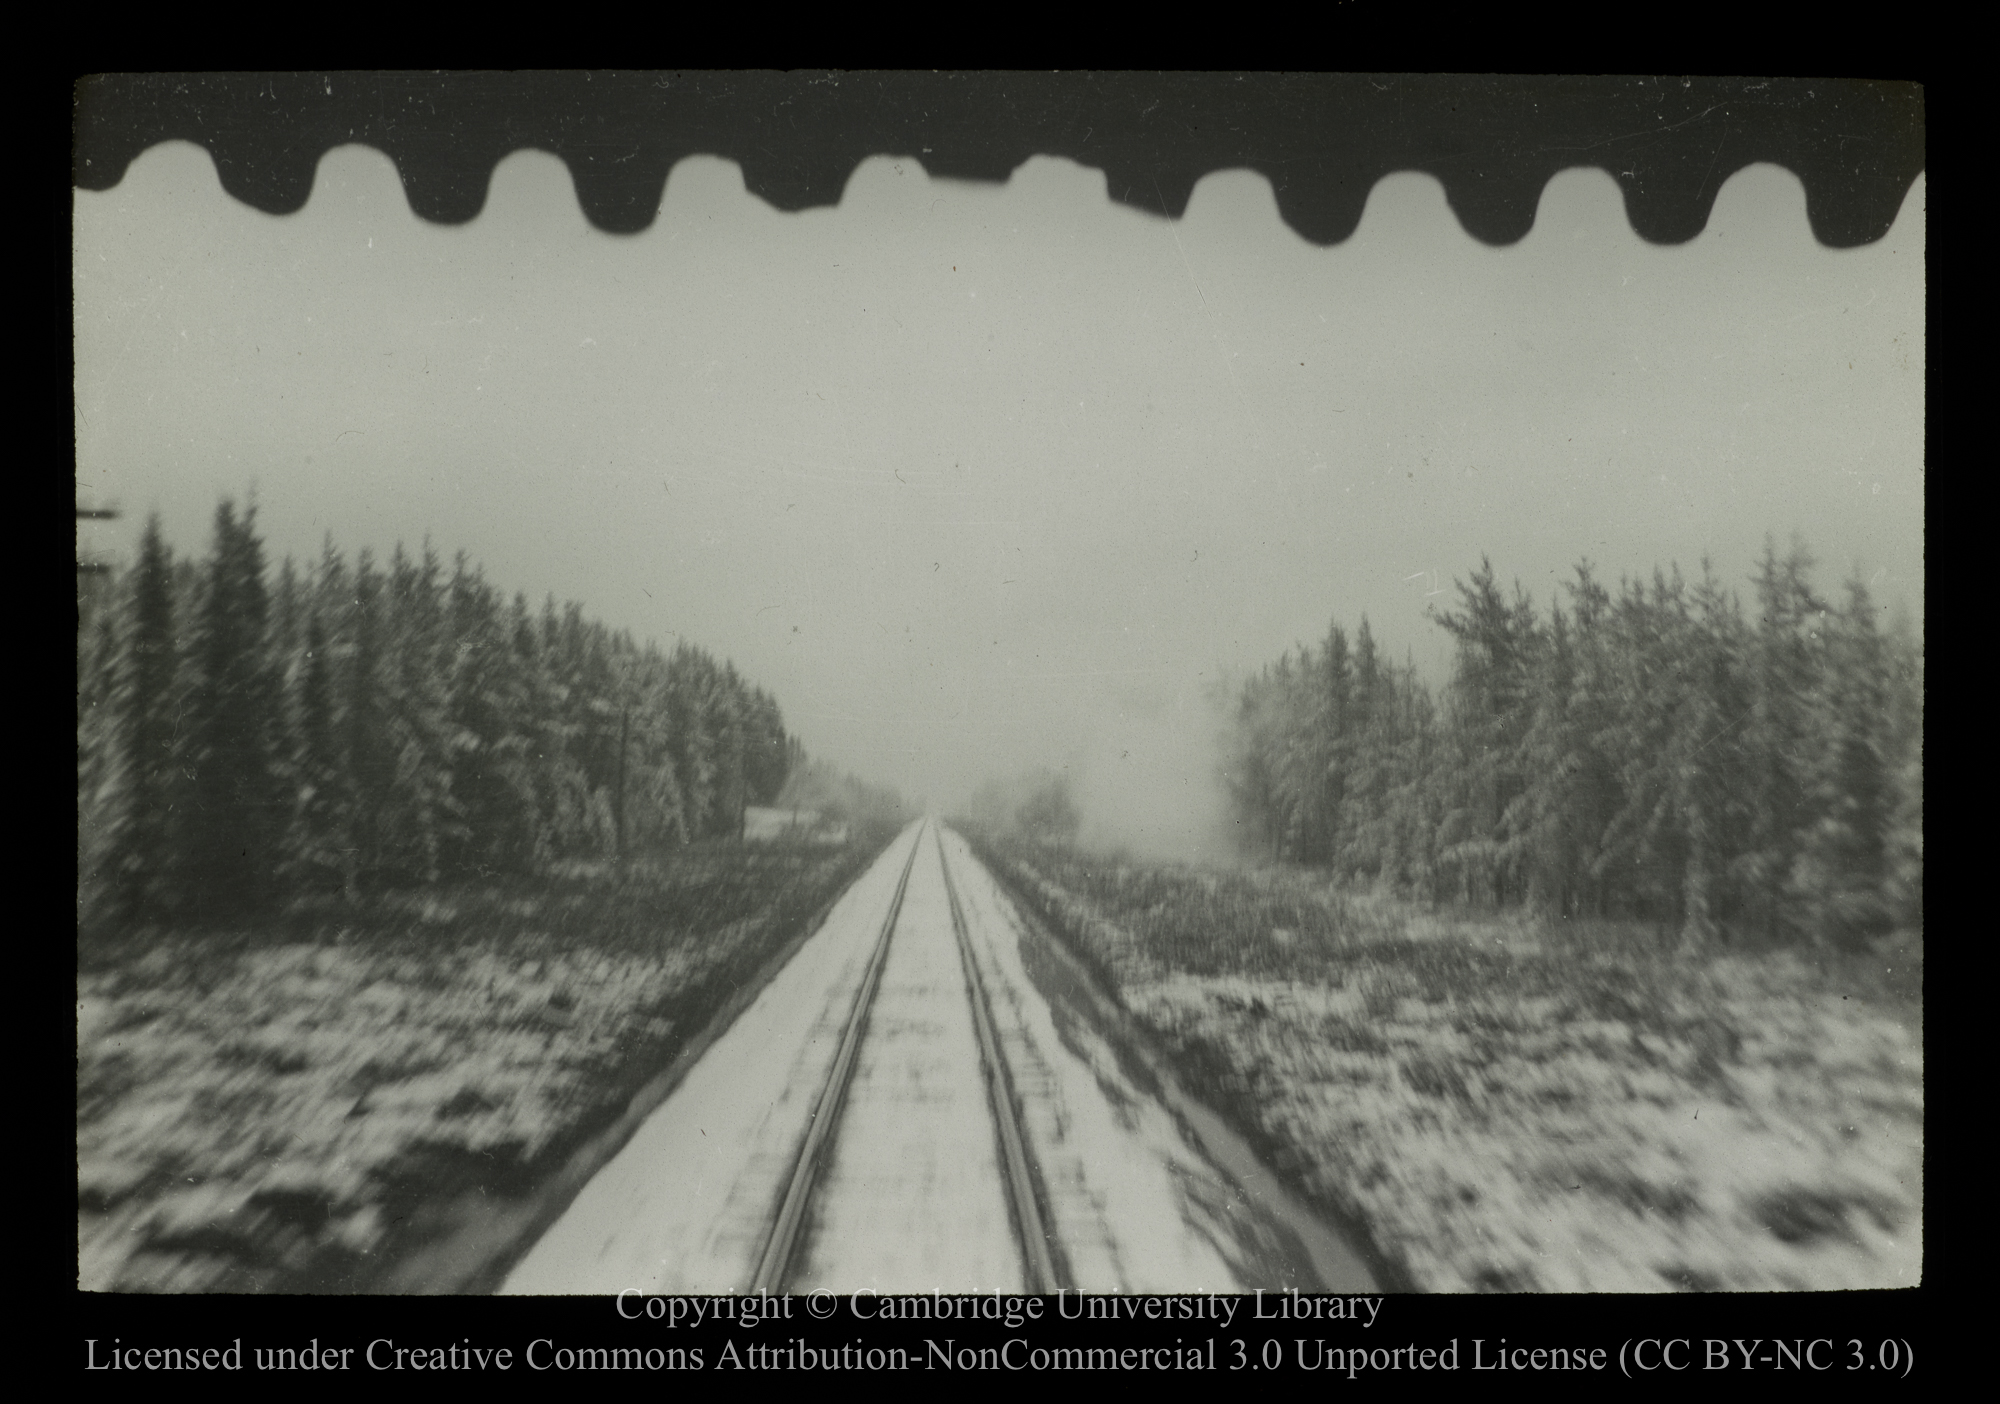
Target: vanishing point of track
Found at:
x=779, y=1258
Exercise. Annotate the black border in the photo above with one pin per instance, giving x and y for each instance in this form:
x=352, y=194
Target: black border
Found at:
x=1323, y=141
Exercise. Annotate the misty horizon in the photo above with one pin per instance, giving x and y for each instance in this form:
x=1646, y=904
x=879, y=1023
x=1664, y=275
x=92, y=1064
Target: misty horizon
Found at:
x=978, y=479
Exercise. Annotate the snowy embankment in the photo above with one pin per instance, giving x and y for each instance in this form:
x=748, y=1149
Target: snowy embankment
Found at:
x=295, y=1116
x=1512, y=1108
x=685, y=1205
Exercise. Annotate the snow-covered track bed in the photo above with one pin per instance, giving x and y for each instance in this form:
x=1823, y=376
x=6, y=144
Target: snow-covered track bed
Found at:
x=922, y=1100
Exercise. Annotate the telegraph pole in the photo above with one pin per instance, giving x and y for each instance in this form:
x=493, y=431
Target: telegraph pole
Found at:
x=90, y=570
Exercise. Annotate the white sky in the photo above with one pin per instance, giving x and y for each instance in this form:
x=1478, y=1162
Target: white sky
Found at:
x=978, y=477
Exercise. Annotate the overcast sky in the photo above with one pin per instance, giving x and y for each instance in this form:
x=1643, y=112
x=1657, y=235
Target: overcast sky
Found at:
x=977, y=477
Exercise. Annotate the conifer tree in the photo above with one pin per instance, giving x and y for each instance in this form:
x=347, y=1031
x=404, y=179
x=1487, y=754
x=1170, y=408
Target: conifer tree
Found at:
x=418, y=817
x=101, y=684
x=1334, y=744
x=371, y=753
x=285, y=665
x=1490, y=691
x=1777, y=742
x=1646, y=843
x=726, y=701
x=1364, y=834
x=1544, y=816
x=1593, y=789
x=487, y=706
x=1300, y=770
x=234, y=799
x=767, y=751
x=143, y=850
x=1251, y=768
x=358, y=731
x=1904, y=888
x=658, y=815
x=691, y=745
x=1650, y=756
x=321, y=840
x=1706, y=760
x=1843, y=866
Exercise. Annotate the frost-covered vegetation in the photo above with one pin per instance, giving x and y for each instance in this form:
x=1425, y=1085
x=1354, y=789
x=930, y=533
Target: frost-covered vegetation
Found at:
x=1519, y=1103
x=390, y=892
x=296, y=1107
x=1654, y=753
x=349, y=728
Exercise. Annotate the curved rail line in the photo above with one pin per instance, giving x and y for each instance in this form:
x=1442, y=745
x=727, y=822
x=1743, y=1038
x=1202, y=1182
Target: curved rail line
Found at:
x=1041, y=1260
x=1038, y=1258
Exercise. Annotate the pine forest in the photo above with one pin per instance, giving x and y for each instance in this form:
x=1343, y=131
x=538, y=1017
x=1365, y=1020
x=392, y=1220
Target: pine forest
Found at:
x=351, y=727
x=1662, y=752
x=1597, y=968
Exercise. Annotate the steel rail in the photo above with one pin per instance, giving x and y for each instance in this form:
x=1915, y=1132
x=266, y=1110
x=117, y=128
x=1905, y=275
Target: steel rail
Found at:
x=776, y=1259
x=1018, y=1174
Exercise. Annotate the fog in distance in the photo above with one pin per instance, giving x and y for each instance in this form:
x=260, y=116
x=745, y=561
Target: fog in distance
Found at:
x=980, y=478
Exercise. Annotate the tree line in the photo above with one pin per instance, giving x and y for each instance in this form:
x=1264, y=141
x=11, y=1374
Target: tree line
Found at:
x=354, y=726
x=1653, y=752
x=1036, y=806
x=872, y=813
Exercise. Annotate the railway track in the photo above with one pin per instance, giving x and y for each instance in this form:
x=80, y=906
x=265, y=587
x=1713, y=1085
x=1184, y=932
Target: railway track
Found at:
x=1040, y=1257
x=917, y=1100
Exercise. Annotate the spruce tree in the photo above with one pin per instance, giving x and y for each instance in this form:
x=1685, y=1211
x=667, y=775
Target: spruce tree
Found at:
x=1650, y=833
x=1299, y=768
x=234, y=798
x=1777, y=743
x=418, y=818
x=767, y=750
x=1490, y=687
x=143, y=852
x=1708, y=764
x=535, y=730
x=1251, y=768
x=1844, y=864
x=101, y=686
x=1543, y=816
x=1364, y=836
x=1334, y=744
x=727, y=707
x=321, y=841
x=654, y=805
x=1904, y=888
x=564, y=787
x=482, y=706
x=692, y=745
x=370, y=749
x=1594, y=791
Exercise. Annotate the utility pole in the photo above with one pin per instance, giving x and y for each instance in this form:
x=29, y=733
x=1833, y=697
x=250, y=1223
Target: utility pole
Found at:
x=90, y=570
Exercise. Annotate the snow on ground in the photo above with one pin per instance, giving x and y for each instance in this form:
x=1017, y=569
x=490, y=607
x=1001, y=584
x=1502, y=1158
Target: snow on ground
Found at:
x=1135, y=1207
x=912, y=1198
x=293, y=1082
x=254, y=1116
x=1581, y=1159
x=685, y=1205
x=1527, y=1122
